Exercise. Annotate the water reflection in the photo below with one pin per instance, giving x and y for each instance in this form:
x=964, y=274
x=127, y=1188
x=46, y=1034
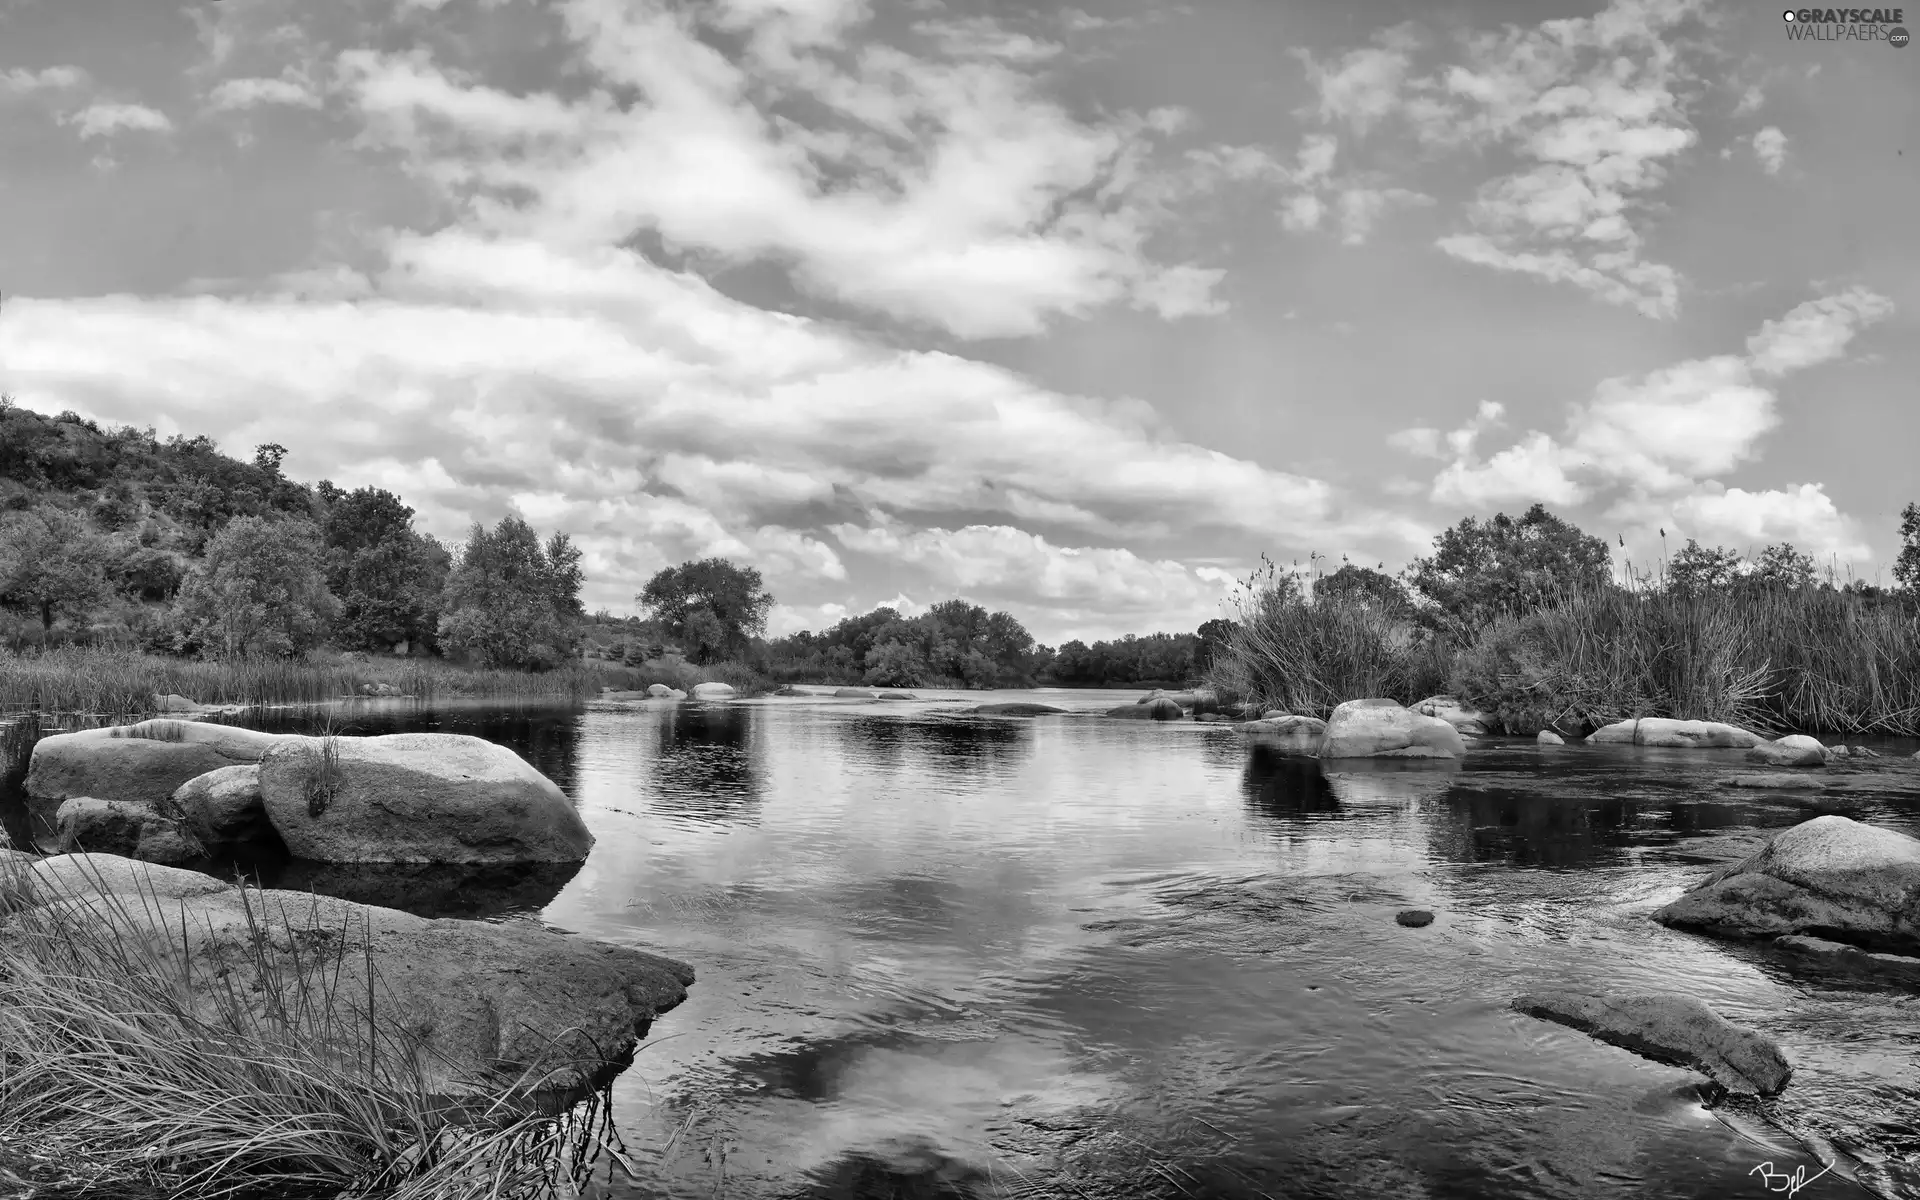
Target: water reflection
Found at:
x=1285, y=786
x=708, y=761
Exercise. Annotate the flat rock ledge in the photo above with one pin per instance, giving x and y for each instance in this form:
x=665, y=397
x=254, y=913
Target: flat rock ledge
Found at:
x=483, y=1000
x=1670, y=1028
x=1903, y=967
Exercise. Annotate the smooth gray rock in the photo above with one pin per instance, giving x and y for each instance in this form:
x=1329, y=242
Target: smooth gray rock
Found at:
x=853, y=693
x=1161, y=709
x=1469, y=722
x=1286, y=733
x=1774, y=781
x=1017, y=708
x=1671, y=1028
x=417, y=797
x=1794, y=750
x=713, y=691
x=143, y=762
x=483, y=999
x=1414, y=918
x=123, y=827
x=1377, y=728
x=1684, y=735
x=1830, y=876
x=224, y=808
x=1547, y=737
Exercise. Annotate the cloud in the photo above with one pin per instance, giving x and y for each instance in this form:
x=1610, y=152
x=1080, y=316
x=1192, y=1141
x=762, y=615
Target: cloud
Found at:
x=940, y=189
x=231, y=94
x=1591, y=107
x=104, y=119
x=21, y=81
x=1770, y=147
x=1815, y=332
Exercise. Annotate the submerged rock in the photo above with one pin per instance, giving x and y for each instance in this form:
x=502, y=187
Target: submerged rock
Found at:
x=895, y=696
x=1382, y=729
x=853, y=693
x=223, y=808
x=1794, y=750
x=1414, y=918
x=1286, y=733
x=1161, y=709
x=1830, y=876
x=126, y=828
x=143, y=762
x=1774, y=781
x=1685, y=735
x=1671, y=1028
x=1017, y=708
x=1547, y=737
x=417, y=797
x=1838, y=954
x=483, y=1000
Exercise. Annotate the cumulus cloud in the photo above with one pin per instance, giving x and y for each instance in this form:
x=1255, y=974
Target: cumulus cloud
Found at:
x=255, y=92
x=1590, y=106
x=24, y=81
x=1654, y=443
x=105, y=119
x=1770, y=147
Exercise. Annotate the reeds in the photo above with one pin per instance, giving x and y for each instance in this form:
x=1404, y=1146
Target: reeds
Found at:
x=122, y=683
x=126, y=1075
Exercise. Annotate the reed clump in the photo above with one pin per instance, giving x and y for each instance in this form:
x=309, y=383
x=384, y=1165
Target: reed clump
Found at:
x=122, y=1074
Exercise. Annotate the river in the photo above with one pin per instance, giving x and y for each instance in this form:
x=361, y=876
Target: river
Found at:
x=941, y=955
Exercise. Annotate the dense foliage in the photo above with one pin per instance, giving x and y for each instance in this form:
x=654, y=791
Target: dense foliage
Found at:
x=952, y=644
x=711, y=607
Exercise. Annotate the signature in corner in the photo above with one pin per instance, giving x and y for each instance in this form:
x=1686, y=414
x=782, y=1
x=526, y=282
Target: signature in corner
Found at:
x=1784, y=1181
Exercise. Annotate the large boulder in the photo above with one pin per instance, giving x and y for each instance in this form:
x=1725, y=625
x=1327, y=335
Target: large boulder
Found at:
x=1794, y=750
x=1469, y=722
x=223, y=808
x=1286, y=733
x=126, y=828
x=713, y=691
x=483, y=1000
x=1547, y=737
x=1674, y=734
x=1830, y=877
x=1670, y=1028
x=143, y=762
x=1158, y=709
x=1383, y=729
x=1016, y=708
x=852, y=693
x=660, y=691
x=417, y=797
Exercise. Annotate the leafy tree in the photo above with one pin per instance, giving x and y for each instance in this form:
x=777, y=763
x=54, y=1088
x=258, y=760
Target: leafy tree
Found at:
x=711, y=607
x=259, y=590
x=510, y=602
x=1353, y=584
x=1697, y=569
x=388, y=577
x=1478, y=571
x=1781, y=567
x=1213, y=637
x=51, y=565
x=1906, y=567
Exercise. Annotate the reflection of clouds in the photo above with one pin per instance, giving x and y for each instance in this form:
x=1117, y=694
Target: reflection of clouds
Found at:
x=1391, y=783
x=707, y=762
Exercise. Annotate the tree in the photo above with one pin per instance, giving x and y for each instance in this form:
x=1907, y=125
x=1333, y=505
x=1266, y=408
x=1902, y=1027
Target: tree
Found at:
x=1781, y=567
x=51, y=565
x=1353, y=584
x=1906, y=567
x=1696, y=569
x=508, y=602
x=1212, y=638
x=260, y=590
x=388, y=577
x=1478, y=571
x=712, y=607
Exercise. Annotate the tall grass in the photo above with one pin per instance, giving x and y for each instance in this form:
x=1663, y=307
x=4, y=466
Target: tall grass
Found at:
x=126, y=1075
x=119, y=682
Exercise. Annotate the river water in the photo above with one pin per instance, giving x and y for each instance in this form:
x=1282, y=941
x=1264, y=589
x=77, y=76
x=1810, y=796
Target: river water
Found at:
x=952, y=956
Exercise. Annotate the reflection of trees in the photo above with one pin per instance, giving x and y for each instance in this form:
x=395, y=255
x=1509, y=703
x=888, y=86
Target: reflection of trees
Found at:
x=1286, y=787
x=939, y=743
x=1532, y=827
x=709, y=761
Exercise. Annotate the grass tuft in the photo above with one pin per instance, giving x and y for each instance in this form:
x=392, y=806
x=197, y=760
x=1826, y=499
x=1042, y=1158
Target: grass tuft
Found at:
x=123, y=1074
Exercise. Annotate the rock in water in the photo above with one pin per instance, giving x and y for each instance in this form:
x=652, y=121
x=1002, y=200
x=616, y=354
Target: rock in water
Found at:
x=660, y=691
x=1017, y=708
x=1830, y=876
x=848, y=693
x=483, y=999
x=1670, y=1028
x=124, y=827
x=713, y=691
x=1774, y=781
x=1286, y=733
x=1794, y=750
x=144, y=762
x=1895, y=966
x=1414, y=918
x=1159, y=709
x=1547, y=737
x=1383, y=729
x=417, y=797
x=1684, y=735
x=223, y=808
x=1454, y=713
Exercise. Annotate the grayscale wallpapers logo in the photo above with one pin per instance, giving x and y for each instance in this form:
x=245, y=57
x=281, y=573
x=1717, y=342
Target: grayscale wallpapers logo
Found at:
x=1848, y=25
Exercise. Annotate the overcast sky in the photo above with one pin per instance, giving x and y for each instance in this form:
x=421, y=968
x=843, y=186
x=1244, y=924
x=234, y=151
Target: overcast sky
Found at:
x=1073, y=312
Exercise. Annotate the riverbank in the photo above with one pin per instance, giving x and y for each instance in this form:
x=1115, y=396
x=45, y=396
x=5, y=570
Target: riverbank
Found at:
x=1812, y=659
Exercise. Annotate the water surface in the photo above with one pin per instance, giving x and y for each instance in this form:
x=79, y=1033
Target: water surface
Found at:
x=938, y=955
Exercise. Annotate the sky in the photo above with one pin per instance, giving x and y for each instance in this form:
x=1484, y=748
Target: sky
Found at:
x=1073, y=312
